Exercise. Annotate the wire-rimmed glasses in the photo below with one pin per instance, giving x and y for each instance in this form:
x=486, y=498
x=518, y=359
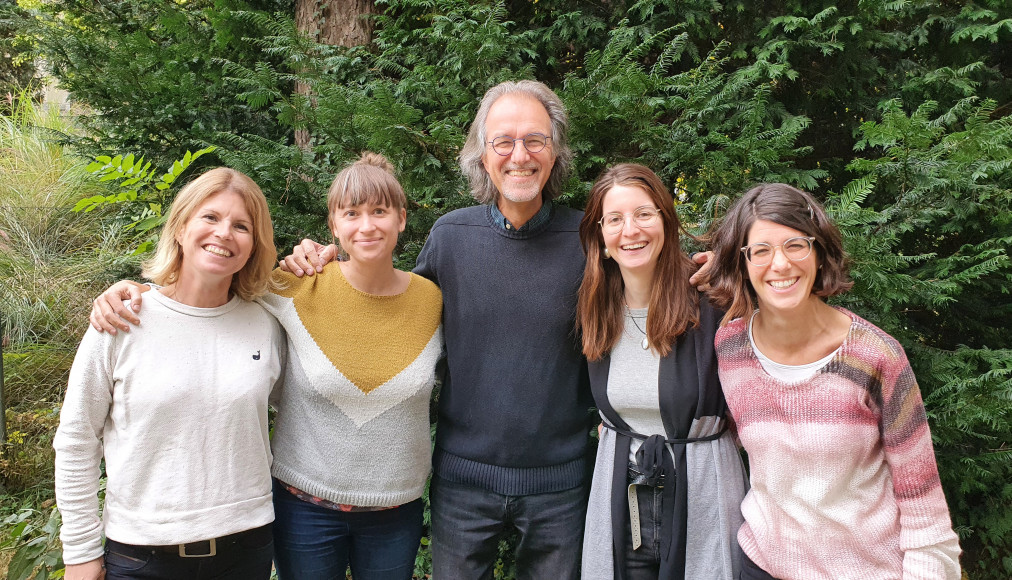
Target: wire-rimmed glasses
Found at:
x=533, y=142
x=644, y=216
x=794, y=249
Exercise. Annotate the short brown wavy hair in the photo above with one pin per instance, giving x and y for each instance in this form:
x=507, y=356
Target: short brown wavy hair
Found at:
x=782, y=204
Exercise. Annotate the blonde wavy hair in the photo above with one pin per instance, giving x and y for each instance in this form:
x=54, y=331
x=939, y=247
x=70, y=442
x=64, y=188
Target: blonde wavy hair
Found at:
x=253, y=280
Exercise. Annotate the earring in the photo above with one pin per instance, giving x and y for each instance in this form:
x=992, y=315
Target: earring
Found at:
x=607, y=254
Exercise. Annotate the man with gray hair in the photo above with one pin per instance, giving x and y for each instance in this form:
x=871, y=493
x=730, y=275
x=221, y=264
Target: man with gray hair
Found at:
x=512, y=441
x=512, y=438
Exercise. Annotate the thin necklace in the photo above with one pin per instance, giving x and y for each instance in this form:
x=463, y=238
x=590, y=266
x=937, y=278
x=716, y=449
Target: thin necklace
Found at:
x=646, y=342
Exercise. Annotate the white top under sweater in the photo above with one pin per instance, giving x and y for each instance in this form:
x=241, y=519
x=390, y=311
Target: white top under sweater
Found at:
x=179, y=407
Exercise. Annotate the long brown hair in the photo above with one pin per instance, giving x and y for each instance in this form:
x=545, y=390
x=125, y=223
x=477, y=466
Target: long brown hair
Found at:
x=782, y=204
x=673, y=306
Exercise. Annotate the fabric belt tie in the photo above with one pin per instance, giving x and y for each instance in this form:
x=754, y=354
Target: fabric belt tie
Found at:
x=655, y=462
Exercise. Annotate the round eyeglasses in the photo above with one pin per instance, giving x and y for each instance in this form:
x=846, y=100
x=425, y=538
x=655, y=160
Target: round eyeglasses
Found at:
x=794, y=249
x=533, y=142
x=644, y=216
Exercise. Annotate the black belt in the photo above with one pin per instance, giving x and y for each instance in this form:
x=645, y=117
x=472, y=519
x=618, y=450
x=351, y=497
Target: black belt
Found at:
x=636, y=477
x=199, y=549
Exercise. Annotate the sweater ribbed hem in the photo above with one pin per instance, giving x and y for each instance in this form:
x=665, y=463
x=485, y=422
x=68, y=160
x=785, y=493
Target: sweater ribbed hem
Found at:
x=147, y=528
x=376, y=497
x=510, y=480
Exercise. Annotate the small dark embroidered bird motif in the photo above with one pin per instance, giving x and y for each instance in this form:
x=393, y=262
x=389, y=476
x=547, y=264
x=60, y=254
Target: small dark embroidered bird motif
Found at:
x=256, y=356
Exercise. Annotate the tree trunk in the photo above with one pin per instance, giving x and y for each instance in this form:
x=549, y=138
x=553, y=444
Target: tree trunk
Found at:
x=333, y=22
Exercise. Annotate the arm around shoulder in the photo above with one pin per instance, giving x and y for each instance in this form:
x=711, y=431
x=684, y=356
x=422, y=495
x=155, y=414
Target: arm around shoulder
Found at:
x=109, y=313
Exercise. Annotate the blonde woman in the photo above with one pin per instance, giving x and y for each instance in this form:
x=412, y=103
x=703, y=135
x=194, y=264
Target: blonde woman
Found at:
x=352, y=449
x=178, y=407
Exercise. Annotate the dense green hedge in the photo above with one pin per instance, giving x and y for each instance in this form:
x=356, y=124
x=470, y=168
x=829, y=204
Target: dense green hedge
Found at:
x=895, y=113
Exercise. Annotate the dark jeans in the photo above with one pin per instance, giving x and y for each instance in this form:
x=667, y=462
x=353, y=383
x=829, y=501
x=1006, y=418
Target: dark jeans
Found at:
x=317, y=543
x=248, y=557
x=644, y=563
x=750, y=571
x=468, y=522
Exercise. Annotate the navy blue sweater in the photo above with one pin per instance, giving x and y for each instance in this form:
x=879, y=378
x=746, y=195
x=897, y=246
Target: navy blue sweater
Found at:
x=514, y=406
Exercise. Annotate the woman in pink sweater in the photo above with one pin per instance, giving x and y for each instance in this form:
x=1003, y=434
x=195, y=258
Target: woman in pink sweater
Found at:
x=843, y=473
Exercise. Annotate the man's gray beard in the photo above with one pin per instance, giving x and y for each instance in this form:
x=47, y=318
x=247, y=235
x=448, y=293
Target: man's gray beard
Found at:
x=524, y=198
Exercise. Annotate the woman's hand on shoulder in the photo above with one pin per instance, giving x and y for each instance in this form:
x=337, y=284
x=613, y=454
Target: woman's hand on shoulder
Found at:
x=93, y=570
x=308, y=258
x=108, y=313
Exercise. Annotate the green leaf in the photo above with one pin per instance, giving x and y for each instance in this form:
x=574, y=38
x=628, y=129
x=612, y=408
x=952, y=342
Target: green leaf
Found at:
x=144, y=248
x=150, y=223
x=89, y=203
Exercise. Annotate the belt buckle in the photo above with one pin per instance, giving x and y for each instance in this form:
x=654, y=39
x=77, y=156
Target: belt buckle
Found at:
x=212, y=550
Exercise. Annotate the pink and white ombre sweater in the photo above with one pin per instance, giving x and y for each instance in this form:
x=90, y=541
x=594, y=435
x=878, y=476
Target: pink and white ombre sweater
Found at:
x=843, y=473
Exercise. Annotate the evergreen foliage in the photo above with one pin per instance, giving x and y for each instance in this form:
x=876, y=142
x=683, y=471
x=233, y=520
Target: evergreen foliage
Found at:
x=895, y=113
x=16, y=66
x=147, y=69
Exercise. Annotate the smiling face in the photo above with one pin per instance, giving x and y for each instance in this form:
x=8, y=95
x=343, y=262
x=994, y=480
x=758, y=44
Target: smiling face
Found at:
x=521, y=175
x=634, y=248
x=782, y=284
x=368, y=231
x=217, y=240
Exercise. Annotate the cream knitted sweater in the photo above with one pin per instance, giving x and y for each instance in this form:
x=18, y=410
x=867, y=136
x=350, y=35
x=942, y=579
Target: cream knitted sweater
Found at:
x=178, y=408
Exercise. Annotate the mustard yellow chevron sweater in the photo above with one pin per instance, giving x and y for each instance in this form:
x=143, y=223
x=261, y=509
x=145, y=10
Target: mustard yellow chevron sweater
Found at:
x=353, y=417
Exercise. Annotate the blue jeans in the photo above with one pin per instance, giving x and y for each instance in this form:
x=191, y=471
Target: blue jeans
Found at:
x=468, y=522
x=248, y=557
x=316, y=543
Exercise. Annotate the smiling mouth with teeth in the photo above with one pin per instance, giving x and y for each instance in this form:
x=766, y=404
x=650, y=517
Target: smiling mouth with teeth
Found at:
x=781, y=284
x=218, y=251
x=635, y=246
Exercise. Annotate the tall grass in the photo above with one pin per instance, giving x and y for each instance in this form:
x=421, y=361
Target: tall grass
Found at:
x=49, y=257
x=52, y=263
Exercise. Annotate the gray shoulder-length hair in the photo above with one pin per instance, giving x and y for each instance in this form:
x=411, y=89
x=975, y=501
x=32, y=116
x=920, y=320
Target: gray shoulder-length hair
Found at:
x=471, y=154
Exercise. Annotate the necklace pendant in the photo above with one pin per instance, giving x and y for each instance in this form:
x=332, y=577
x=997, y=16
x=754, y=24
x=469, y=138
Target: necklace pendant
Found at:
x=645, y=344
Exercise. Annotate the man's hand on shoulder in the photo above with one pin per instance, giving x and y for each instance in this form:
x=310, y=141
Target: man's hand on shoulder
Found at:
x=701, y=279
